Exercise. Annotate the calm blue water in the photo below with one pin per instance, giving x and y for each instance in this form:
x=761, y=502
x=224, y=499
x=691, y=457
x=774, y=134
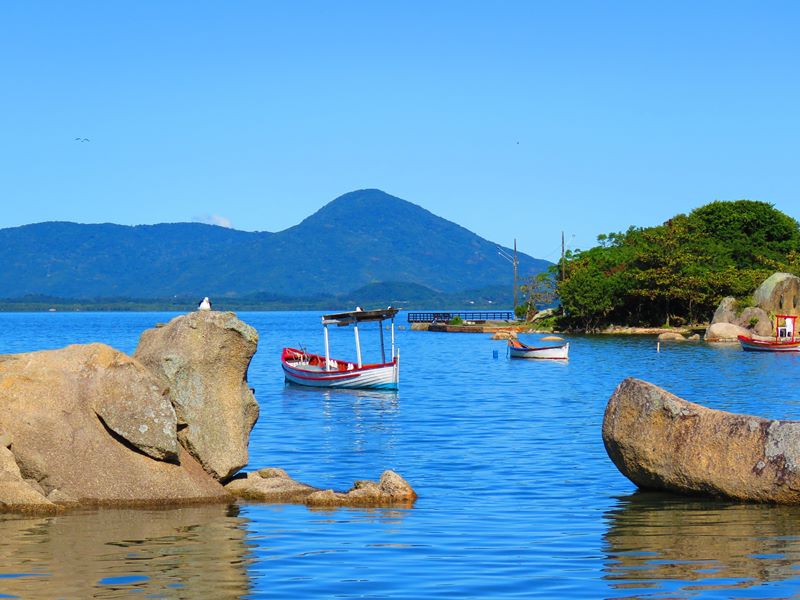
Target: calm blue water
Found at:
x=517, y=497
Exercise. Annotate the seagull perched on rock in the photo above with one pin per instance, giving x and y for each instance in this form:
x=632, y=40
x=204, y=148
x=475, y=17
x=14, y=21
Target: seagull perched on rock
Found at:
x=205, y=304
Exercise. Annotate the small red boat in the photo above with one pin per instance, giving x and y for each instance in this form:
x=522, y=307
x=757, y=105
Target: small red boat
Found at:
x=785, y=340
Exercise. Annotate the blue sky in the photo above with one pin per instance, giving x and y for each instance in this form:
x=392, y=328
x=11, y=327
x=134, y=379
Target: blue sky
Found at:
x=513, y=119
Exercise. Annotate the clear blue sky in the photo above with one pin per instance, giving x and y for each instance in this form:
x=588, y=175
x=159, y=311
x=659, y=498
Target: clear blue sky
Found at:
x=513, y=119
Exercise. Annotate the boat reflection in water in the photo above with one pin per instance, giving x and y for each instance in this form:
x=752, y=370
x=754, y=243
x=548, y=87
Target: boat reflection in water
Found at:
x=683, y=546
x=188, y=552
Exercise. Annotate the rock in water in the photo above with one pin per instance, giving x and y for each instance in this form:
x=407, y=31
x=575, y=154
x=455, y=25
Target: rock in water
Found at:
x=203, y=358
x=725, y=332
x=275, y=485
x=660, y=441
x=88, y=423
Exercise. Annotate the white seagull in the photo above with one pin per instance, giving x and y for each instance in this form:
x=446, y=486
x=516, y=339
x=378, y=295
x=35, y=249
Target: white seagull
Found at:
x=205, y=304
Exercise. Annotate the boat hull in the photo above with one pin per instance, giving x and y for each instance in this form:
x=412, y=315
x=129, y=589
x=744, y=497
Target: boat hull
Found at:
x=520, y=350
x=309, y=370
x=752, y=345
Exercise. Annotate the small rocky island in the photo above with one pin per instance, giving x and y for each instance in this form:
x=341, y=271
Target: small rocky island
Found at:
x=88, y=425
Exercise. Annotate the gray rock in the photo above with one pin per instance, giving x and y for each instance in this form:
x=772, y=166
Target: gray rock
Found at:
x=756, y=320
x=203, y=357
x=726, y=312
x=779, y=294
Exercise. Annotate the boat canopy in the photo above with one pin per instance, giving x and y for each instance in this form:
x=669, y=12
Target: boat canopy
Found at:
x=359, y=316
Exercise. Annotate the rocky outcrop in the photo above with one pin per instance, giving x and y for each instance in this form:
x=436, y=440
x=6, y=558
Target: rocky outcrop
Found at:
x=660, y=441
x=275, y=485
x=671, y=336
x=725, y=332
x=778, y=294
x=269, y=485
x=89, y=424
x=505, y=334
x=203, y=359
x=17, y=494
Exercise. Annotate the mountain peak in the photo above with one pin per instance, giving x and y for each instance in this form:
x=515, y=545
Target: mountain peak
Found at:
x=362, y=237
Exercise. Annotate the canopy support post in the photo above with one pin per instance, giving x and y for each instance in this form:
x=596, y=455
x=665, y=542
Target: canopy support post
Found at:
x=392, y=338
x=383, y=350
x=327, y=349
x=358, y=344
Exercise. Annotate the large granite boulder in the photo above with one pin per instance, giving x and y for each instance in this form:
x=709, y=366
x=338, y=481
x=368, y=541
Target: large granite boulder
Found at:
x=89, y=424
x=725, y=332
x=779, y=294
x=203, y=358
x=753, y=319
x=660, y=441
x=727, y=311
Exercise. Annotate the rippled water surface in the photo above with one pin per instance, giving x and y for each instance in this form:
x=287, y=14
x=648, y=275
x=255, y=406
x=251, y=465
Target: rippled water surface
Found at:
x=517, y=497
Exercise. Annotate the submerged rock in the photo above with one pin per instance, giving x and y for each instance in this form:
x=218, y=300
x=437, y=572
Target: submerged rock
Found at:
x=274, y=485
x=269, y=485
x=505, y=335
x=660, y=441
x=203, y=358
x=671, y=336
x=391, y=490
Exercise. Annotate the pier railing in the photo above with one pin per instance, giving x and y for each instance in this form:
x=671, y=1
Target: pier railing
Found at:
x=448, y=315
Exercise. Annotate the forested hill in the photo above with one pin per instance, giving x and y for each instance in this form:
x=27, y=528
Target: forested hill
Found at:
x=364, y=237
x=678, y=272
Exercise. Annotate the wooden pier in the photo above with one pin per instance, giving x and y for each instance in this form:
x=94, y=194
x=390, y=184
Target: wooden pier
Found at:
x=471, y=316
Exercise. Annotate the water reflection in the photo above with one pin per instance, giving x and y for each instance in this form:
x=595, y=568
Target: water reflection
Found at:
x=688, y=545
x=358, y=404
x=190, y=552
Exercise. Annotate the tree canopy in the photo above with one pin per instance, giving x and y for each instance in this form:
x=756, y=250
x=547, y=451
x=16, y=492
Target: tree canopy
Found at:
x=678, y=272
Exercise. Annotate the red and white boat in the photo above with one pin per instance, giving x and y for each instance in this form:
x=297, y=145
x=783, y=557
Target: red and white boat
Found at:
x=517, y=349
x=317, y=370
x=785, y=339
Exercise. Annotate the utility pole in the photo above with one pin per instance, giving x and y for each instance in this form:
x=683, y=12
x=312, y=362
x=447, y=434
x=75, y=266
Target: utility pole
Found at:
x=516, y=262
x=563, y=259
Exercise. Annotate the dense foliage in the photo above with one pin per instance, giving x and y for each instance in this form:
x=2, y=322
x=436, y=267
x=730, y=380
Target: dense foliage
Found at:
x=677, y=273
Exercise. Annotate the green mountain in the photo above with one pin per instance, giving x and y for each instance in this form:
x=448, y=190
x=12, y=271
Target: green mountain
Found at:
x=364, y=238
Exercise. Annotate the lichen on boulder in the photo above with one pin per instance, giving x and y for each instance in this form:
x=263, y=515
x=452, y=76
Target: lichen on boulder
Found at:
x=660, y=441
x=203, y=358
